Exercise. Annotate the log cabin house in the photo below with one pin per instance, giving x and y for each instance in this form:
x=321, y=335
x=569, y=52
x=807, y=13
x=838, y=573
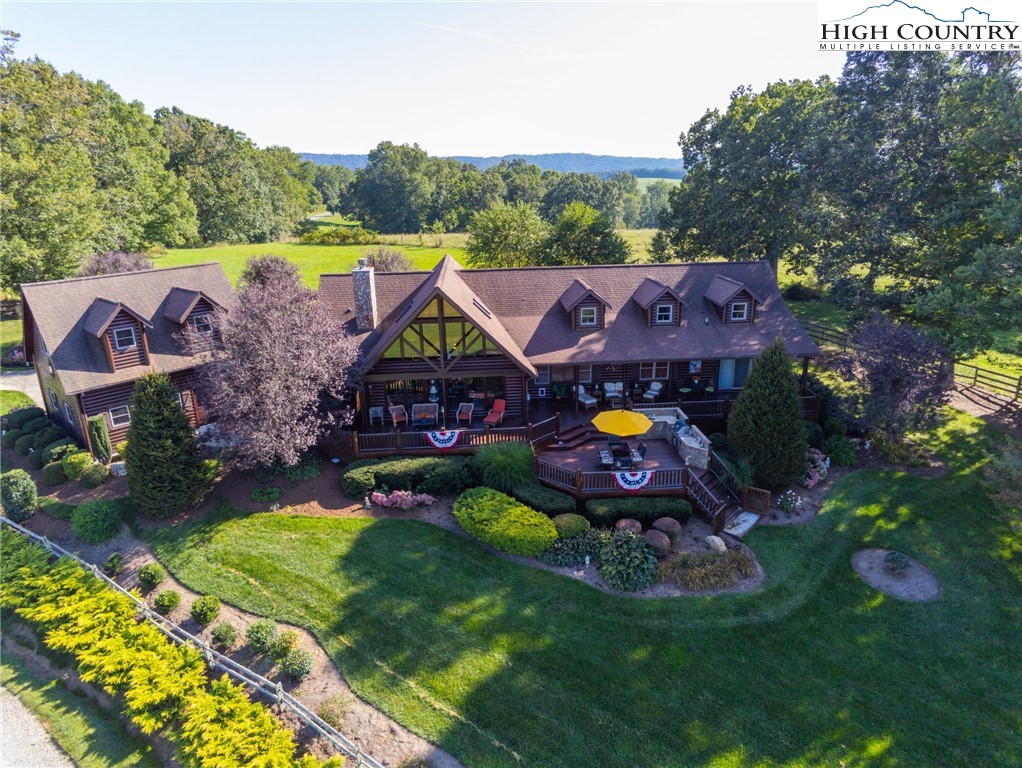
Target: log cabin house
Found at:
x=91, y=338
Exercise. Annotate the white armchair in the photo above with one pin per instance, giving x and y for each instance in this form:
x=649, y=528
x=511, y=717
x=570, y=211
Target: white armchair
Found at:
x=653, y=392
x=584, y=399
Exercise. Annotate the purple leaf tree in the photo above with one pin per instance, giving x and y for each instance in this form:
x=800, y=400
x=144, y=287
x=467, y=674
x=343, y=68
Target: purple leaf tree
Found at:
x=112, y=262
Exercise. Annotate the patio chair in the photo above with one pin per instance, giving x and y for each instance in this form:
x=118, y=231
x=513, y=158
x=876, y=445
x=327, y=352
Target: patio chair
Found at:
x=465, y=411
x=613, y=441
x=613, y=391
x=651, y=394
x=639, y=455
x=425, y=414
x=623, y=462
x=496, y=414
x=585, y=399
x=398, y=415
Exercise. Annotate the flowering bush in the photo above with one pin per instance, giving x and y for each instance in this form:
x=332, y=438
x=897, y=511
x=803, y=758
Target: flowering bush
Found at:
x=401, y=499
x=789, y=502
x=816, y=468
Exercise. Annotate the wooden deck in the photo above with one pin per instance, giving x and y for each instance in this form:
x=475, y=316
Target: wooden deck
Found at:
x=659, y=455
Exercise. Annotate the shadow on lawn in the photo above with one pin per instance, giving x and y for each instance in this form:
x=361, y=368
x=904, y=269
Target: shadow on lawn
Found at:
x=492, y=660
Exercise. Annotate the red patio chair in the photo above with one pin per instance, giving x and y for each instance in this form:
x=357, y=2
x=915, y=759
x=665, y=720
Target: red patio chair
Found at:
x=496, y=414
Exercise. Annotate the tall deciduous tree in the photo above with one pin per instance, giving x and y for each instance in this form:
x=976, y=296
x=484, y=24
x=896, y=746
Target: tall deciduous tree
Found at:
x=392, y=193
x=766, y=424
x=281, y=352
x=583, y=235
x=506, y=235
x=166, y=474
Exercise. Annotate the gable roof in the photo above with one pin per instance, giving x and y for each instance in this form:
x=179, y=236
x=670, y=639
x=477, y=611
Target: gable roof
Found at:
x=445, y=281
x=722, y=289
x=527, y=304
x=181, y=301
x=650, y=290
x=577, y=291
x=68, y=313
x=102, y=313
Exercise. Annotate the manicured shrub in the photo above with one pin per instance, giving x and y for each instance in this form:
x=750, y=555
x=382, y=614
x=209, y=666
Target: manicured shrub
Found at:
x=166, y=474
x=151, y=574
x=505, y=466
x=36, y=425
x=10, y=437
x=570, y=524
x=267, y=494
x=53, y=474
x=719, y=441
x=121, y=448
x=99, y=438
x=18, y=494
x=205, y=609
x=167, y=601
x=814, y=433
x=896, y=562
x=114, y=564
x=574, y=551
x=262, y=635
x=94, y=475
x=766, y=424
x=24, y=444
x=46, y=436
x=224, y=635
x=504, y=523
x=34, y=460
x=358, y=479
x=840, y=449
x=286, y=642
x=19, y=417
x=708, y=570
x=627, y=562
x=603, y=513
x=544, y=499
x=96, y=521
x=297, y=664
x=58, y=449
x=446, y=476
x=75, y=463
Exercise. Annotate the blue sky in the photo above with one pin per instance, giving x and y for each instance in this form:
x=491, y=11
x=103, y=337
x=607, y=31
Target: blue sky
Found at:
x=458, y=78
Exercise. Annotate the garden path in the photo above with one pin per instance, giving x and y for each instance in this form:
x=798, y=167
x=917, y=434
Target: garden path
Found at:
x=24, y=743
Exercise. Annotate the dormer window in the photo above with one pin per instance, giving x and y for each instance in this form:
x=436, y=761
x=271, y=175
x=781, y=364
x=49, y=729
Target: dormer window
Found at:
x=663, y=314
x=202, y=324
x=587, y=317
x=739, y=312
x=124, y=338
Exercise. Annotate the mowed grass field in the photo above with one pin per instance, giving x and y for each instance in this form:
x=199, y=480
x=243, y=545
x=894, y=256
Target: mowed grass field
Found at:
x=645, y=182
x=507, y=665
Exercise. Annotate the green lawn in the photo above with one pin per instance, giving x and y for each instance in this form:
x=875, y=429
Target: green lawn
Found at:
x=644, y=182
x=10, y=334
x=90, y=737
x=12, y=398
x=490, y=659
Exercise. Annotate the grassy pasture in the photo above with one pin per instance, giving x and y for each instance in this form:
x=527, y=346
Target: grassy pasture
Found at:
x=507, y=665
x=645, y=182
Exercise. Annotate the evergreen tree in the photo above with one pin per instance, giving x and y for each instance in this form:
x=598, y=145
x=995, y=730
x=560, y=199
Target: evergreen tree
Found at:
x=165, y=472
x=99, y=437
x=766, y=421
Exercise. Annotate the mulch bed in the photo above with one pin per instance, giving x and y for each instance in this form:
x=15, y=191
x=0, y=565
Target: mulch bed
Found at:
x=915, y=584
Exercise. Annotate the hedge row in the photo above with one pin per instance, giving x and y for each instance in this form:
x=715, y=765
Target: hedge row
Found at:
x=162, y=686
x=437, y=476
x=505, y=524
x=603, y=513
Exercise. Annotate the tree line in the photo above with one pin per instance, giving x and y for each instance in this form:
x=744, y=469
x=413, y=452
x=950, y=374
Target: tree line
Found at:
x=897, y=186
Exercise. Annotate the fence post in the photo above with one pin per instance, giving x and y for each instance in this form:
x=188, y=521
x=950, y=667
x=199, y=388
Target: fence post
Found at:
x=558, y=417
x=354, y=446
x=578, y=480
x=397, y=441
x=1018, y=388
x=528, y=433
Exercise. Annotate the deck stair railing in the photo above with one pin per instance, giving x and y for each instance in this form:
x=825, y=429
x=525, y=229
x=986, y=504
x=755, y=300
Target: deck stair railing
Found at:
x=215, y=660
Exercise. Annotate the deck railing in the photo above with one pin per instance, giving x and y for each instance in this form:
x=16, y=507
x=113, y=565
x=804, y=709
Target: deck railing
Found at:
x=581, y=484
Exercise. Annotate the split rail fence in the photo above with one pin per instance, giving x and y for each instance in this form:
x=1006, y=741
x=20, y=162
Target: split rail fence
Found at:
x=215, y=660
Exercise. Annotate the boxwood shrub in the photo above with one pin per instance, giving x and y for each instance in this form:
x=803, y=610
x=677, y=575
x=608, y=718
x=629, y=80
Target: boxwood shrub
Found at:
x=94, y=475
x=96, y=521
x=544, y=499
x=205, y=609
x=627, y=562
x=46, y=436
x=603, y=513
x=297, y=664
x=167, y=601
x=151, y=574
x=224, y=635
x=58, y=449
x=53, y=474
x=504, y=523
x=35, y=425
x=570, y=524
x=75, y=463
x=437, y=476
x=19, y=417
x=34, y=460
x=24, y=444
x=358, y=479
x=18, y=495
x=262, y=635
x=10, y=437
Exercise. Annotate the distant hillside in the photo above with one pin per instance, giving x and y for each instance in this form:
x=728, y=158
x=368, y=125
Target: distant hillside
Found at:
x=565, y=162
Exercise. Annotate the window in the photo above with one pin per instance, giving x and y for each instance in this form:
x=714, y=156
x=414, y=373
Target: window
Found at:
x=69, y=415
x=651, y=371
x=733, y=373
x=202, y=323
x=542, y=375
x=180, y=401
x=53, y=400
x=585, y=374
x=120, y=416
x=587, y=316
x=124, y=338
x=740, y=312
x=663, y=314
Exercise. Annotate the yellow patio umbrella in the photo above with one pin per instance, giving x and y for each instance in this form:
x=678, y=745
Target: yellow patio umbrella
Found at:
x=622, y=423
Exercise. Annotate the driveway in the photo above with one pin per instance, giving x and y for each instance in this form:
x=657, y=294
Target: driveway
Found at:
x=23, y=380
x=24, y=743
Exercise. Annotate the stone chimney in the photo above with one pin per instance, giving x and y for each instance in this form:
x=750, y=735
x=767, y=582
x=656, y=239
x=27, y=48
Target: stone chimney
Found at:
x=365, y=296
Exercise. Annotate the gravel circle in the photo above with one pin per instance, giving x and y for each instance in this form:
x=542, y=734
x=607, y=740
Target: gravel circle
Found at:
x=916, y=584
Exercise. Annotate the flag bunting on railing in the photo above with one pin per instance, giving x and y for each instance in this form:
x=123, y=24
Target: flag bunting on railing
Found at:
x=444, y=438
x=633, y=481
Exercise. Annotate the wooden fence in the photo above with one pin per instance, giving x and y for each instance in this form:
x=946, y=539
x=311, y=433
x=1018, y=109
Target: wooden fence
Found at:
x=992, y=381
x=828, y=335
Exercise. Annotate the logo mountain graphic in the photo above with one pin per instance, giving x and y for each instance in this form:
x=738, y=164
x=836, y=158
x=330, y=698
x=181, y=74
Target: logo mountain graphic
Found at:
x=901, y=5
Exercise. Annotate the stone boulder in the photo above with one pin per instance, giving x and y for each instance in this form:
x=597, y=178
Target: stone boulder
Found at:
x=117, y=469
x=660, y=542
x=716, y=544
x=628, y=524
x=668, y=525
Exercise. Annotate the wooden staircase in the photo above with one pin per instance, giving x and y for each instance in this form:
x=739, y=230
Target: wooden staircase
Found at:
x=727, y=506
x=575, y=436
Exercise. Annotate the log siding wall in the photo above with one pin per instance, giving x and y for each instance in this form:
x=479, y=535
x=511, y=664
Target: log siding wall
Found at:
x=100, y=401
x=132, y=356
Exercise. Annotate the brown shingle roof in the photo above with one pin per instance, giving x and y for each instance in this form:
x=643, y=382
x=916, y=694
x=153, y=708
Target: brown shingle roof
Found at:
x=723, y=288
x=181, y=301
x=528, y=304
x=650, y=290
x=577, y=291
x=62, y=308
